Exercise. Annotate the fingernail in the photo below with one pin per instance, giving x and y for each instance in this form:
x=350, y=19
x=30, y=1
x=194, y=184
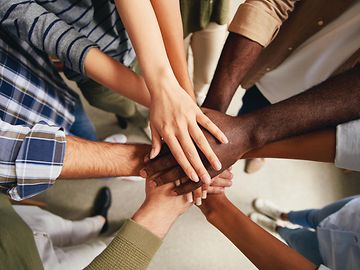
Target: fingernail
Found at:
x=198, y=201
x=194, y=177
x=204, y=194
x=152, y=153
x=225, y=139
x=189, y=197
x=206, y=178
x=217, y=165
x=177, y=183
x=143, y=173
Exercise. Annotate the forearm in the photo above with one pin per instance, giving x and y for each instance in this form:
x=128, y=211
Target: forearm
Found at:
x=85, y=159
x=141, y=24
x=237, y=57
x=112, y=74
x=328, y=104
x=169, y=18
x=260, y=247
x=315, y=146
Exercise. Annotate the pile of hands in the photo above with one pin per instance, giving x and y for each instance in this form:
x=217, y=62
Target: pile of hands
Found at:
x=171, y=187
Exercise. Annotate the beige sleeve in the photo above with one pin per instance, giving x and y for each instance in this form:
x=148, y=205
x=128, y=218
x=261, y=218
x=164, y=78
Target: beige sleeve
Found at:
x=260, y=20
x=131, y=249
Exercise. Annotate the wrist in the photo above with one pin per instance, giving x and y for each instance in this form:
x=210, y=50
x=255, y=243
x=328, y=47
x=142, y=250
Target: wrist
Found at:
x=156, y=219
x=214, y=209
x=248, y=134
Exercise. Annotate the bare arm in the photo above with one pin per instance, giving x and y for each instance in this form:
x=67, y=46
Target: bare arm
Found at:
x=110, y=73
x=315, y=146
x=85, y=159
x=260, y=247
x=237, y=57
x=174, y=116
x=169, y=18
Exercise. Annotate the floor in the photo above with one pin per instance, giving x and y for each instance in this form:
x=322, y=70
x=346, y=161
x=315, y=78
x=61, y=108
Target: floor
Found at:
x=192, y=243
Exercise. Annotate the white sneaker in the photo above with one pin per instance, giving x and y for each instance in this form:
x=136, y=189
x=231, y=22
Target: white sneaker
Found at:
x=116, y=138
x=264, y=221
x=267, y=208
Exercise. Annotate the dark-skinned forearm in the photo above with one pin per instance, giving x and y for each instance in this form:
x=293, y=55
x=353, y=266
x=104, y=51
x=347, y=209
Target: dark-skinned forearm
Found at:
x=328, y=104
x=237, y=57
x=315, y=146
x=87, y=159
x=260, y=247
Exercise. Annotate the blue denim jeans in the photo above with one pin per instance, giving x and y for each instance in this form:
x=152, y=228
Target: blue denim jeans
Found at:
x=304, y=240
x=82, y=127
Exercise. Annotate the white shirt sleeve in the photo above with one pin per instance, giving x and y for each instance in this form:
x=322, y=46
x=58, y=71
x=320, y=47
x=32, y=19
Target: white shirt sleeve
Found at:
x=348, y=145
x=323, y=267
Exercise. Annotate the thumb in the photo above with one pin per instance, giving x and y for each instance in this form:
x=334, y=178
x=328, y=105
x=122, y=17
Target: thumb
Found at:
x=156, y=143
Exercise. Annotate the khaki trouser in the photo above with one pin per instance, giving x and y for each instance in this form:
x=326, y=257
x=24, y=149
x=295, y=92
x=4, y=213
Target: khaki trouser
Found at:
x=206, y=46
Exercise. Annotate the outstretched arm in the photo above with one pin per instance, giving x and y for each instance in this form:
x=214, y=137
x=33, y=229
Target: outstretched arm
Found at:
x=169, y=18
x=323, y=106
x=237, y=57
x=87, y=159
x=254, y=26
x=174, y=116
x=261, y=248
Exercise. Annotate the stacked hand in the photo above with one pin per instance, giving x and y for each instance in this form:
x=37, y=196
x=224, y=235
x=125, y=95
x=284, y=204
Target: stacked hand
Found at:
x=176, y=119
x=165, y=169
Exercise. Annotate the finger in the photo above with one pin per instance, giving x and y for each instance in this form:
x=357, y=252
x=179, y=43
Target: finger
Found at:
x=197, y=196
x=226, y=175
x=221, y=182
x=170, y=176
x=189, y=197
x=156, y=143
x=206, y=123
x=215, y=190
x=204, y=191
x=187, y=187
x=160, y=164
x=193, y=156
x=180, y=157
x=205, y=147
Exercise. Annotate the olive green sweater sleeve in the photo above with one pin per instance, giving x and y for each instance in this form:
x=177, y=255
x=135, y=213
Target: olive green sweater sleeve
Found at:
x=131, y=249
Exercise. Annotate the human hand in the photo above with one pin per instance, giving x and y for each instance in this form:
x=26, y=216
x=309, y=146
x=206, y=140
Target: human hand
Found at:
x=161, y=208
x=238, y=130
x=218, y=185
x=176, y=118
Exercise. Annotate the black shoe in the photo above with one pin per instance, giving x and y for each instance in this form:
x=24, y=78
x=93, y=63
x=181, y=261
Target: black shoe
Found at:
x=122, y=122
x=102, y=205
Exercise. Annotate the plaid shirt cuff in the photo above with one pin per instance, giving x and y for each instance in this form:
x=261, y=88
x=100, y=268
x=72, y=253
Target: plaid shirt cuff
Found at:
x=36, y=159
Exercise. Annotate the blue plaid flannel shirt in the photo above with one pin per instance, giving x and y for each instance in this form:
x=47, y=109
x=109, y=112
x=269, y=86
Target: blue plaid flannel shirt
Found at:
x=36, y=107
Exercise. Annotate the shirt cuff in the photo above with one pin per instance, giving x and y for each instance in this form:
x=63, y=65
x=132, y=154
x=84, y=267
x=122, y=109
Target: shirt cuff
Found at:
x=323, y=267
x=141, y=237
x=39, y=161
x=254, y=23
x=348, y=146
x=132, y=248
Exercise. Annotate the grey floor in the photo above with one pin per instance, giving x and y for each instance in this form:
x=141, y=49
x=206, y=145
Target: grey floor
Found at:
x=192, y=243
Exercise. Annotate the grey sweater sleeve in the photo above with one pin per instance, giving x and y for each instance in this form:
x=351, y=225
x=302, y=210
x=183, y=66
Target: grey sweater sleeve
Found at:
x=44, y=30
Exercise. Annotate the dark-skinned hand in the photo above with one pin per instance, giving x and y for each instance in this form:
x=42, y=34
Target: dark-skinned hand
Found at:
x=237, y=131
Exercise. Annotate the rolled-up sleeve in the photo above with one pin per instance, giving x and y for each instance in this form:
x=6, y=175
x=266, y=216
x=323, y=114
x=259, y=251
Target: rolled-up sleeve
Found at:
x=260, y=20
x=31, y=158
x=348, y=146
x=44, y=30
